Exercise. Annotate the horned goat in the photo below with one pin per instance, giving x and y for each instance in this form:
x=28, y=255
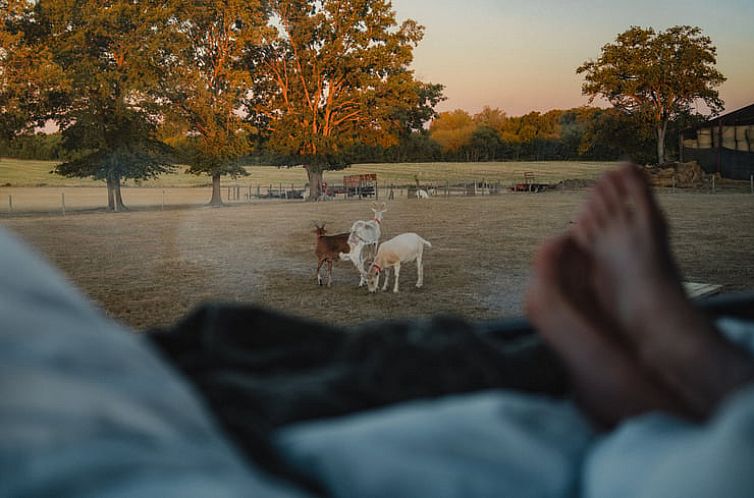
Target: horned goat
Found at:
x=365, y=235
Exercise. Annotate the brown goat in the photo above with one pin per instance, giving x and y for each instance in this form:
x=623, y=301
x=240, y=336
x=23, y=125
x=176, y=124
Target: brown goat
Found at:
x=329, y=248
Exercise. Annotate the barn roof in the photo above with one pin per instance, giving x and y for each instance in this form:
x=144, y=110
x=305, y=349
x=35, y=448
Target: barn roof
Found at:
x=742, y=116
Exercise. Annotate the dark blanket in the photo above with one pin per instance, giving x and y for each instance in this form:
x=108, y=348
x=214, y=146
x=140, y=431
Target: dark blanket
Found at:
x=260, y=370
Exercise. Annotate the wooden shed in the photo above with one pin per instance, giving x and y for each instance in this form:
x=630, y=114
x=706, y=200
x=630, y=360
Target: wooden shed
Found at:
x=723, y=145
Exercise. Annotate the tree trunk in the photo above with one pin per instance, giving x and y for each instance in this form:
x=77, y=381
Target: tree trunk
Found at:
x=119, y=206
x=110, y=195
x=315, y=182
x=661, y=128
x=217, y=200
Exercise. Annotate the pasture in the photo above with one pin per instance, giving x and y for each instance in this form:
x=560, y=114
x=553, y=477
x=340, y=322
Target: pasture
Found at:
x=148, y=268
x=29, y=187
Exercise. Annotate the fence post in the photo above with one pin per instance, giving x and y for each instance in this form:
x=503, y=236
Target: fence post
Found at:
x=10, y=204
x=162, y=208
x=713, y=184
x=259, y=192
x=62, y=201
x=269, y=192
x=674, y=183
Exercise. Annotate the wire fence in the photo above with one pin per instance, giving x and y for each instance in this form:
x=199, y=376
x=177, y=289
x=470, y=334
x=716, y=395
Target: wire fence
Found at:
x=65, y=200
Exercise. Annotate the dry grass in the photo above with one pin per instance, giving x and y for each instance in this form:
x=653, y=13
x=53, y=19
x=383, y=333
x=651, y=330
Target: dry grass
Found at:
x=148, y=268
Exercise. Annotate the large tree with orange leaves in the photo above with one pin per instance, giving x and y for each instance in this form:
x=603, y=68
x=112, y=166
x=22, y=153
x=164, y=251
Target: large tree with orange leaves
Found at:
x=337, y=73
x=215, y=43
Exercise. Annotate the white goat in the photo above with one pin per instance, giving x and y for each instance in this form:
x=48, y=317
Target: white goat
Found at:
x=365, y=235
x=422, y=194
x=402, y=248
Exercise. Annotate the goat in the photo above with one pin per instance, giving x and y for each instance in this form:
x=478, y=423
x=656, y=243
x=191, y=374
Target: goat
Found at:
x=402, y=248
x=363, y=240
x=422, y=194
x=327, y=249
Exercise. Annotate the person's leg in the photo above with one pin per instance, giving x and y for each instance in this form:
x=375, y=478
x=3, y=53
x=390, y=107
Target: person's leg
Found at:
x=637, y=283
x=88, y=409
x=562, y=305
x=613, y=283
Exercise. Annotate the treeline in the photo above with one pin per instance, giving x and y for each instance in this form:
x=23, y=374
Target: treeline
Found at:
x=583, y=133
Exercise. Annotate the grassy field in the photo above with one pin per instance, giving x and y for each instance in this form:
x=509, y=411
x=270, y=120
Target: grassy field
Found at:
x=29, y=187
x=21, y=173
x=148, y=268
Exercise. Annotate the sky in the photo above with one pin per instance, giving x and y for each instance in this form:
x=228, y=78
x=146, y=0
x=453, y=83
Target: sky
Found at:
x=521, y=56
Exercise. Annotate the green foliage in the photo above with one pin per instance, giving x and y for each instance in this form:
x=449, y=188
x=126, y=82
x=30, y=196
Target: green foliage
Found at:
x=38, y=146
x=122, y=148
x=656, y=77
x=96, y=71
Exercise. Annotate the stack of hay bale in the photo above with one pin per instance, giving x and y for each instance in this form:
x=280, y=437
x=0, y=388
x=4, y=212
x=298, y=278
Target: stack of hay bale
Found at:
x=681, y=175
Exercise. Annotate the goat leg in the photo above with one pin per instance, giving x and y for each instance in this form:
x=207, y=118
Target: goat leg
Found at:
x=319, y=273
x=420, y=272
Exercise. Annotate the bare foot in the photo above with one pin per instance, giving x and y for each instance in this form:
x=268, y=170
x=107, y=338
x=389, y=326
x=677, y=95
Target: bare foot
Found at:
x=636, y=281
x=607, y=381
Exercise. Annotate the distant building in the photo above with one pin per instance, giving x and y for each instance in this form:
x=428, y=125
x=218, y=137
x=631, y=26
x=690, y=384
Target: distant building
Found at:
x=723, y=145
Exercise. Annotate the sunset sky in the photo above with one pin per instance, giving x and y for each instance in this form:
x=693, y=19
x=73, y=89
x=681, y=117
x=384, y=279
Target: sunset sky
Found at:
x=522, y=56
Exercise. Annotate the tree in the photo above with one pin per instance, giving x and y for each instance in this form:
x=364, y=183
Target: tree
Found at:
x=493, y=118
x=485, y=144
x=337, y=73
x=452, y=130
x=121, y=146
x=610, y=133
x=656, y=77
x=215, y=44
x=29, y=77
x=112, y=60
